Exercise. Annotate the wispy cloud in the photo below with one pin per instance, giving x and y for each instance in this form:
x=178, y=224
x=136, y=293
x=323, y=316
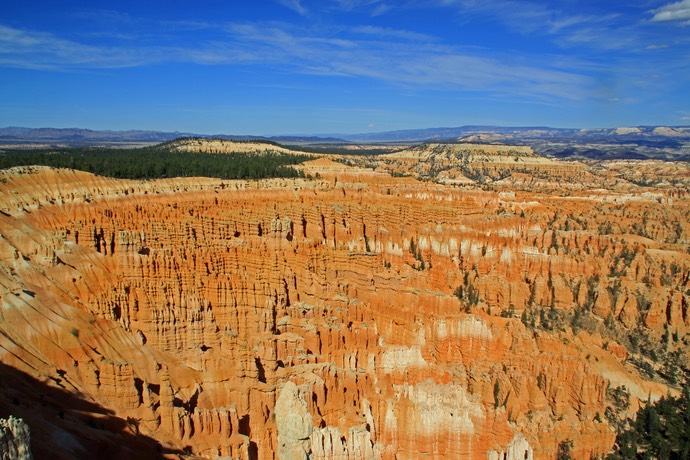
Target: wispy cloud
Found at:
x=294, y=5
x=596, y=29
x=427, y=64
x=388, y=32
x=519, y=15
x=601, y=38
x=673, y=12
x=381, y=9
x=591, y=27
x=371, y=7
x=40, y=50
x=350, y=5
x=105, y=16
x=370, y=52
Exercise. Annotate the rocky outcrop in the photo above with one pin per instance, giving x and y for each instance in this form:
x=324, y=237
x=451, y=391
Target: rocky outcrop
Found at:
x=294, y=424
x=351, y=316
x=298, y=438
x=15, y=439
x=201, y=145
x=518, y=449
x=466, y=163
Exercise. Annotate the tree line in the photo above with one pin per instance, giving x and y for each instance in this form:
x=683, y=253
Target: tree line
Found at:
x=157, y=162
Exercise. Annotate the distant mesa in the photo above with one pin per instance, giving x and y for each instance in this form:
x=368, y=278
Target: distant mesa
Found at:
x=625, y=131
x=215, y=145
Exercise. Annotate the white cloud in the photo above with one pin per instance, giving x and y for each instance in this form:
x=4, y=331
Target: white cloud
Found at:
x=518, y=15
x=593, y=28
x=294, y=5
x=601, y=38
x=678, y=11
x=383, y=54
x=381, y=9
x=40, y=50
x=372, y=7
x=425, y=65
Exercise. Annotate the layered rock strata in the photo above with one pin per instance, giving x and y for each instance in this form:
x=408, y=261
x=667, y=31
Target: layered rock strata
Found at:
x=352, y=316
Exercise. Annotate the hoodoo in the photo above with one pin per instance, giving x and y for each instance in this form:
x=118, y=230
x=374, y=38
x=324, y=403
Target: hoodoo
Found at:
x=354, y=315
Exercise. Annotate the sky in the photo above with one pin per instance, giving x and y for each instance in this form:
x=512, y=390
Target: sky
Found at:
x=272, y=67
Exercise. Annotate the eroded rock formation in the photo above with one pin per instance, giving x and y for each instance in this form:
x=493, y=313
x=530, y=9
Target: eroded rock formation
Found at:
x=352, y=316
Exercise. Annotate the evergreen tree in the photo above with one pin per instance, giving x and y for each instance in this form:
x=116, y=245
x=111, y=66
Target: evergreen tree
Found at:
x=661, y=430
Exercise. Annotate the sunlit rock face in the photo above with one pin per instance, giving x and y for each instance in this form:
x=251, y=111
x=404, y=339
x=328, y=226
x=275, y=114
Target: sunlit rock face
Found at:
x=356, y=315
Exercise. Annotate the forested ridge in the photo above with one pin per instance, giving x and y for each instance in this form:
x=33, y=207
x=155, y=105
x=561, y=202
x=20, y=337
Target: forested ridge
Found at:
x=156, y=162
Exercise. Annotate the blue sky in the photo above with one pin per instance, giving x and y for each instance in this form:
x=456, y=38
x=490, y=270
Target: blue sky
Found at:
x=343, y=66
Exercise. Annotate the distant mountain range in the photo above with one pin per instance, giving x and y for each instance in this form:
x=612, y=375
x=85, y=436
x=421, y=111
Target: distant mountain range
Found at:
x=657, y=142
x=471, y=132
x=79, y=136
x=502, y=134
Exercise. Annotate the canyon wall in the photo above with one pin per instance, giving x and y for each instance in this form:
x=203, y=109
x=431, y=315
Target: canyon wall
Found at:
x=356, y=315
